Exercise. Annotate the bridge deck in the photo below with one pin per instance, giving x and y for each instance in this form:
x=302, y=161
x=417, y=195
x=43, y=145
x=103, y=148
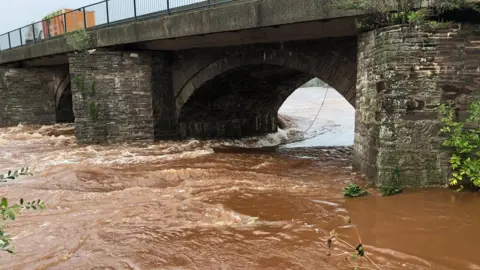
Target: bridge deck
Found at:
x=231, y=17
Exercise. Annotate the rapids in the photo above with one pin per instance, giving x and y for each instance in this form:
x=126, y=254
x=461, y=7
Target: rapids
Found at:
x=179, y=205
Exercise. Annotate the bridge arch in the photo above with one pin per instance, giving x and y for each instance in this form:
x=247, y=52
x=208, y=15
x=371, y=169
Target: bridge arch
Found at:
x=240, y=94
x=62, y=93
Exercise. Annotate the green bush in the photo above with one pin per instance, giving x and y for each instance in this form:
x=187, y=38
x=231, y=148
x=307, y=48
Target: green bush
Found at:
x=465, y=144
x=353, y=190
x=79, y=40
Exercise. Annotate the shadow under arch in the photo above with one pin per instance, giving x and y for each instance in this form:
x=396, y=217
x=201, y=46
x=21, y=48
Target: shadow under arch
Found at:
x=64, y=107
x=240, y=95
x=62, y=94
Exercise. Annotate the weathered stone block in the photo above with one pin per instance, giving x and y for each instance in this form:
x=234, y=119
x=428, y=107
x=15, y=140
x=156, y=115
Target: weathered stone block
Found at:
x=119, y=96
x=27, y=96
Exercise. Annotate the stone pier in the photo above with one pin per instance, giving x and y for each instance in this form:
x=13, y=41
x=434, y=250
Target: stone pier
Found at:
x=121, y=96
x=26, y=96
x=404, y=75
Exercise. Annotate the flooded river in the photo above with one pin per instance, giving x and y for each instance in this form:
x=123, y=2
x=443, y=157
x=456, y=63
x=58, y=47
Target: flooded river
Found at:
x=178, y=205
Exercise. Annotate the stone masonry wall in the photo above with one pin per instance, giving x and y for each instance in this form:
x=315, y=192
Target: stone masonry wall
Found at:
x=241, y=102
x=332, y=60
x=163, y=99
x=404, y=74
x=112, y=96
x=27, y=96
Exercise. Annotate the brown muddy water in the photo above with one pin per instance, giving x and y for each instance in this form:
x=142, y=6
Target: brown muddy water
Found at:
x=178, y=205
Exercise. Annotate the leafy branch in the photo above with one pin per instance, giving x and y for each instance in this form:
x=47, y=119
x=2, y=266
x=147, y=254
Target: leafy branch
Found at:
x=10, y=212
x=12, y=175
x=358, y=251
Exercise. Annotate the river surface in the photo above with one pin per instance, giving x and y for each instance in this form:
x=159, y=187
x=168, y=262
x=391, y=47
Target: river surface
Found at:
x=179, y=205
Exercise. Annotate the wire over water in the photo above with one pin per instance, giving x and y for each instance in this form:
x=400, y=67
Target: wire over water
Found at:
x=302, y=138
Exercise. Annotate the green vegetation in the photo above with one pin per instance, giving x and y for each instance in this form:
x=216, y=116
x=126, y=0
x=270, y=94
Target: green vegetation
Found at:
x=391, y=188
x=88, y=95
x=353, y=190
x=79, y=40
x=11, y=212
x=52, y=15
x=386, y=13
x=358, y=251
x=464, y=140
x=394, y=186
x=79, y=82
x=93, y=110
x=12, y=175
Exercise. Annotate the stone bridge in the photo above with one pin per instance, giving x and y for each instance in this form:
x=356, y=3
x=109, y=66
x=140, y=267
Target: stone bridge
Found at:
x=237, y=91
x=225, y=72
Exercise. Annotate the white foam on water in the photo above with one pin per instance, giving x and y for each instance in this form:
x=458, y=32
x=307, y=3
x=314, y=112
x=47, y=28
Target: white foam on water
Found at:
x=334, y=126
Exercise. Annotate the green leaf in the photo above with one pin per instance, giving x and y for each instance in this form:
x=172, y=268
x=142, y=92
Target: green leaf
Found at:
x=453, y=181
x=11, y=214
x=4, y=203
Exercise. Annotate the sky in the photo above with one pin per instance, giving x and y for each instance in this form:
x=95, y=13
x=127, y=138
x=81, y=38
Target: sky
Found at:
x=18, y=13
x=22, y=13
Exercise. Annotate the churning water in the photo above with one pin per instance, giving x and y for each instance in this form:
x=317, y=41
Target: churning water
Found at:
x=179, y=205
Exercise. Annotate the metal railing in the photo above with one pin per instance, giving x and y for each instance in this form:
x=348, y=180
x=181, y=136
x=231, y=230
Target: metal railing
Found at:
x=96, y=15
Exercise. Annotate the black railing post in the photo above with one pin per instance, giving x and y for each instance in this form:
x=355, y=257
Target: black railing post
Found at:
x=108, y=15
x=33, y=32
x=135, y=8
x=168, y=7
x=21, y=38
x=9, y=42
x=84, y=19
x=65, y=29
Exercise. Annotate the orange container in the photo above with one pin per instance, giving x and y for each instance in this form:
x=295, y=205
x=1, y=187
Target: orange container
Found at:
x=54, y=23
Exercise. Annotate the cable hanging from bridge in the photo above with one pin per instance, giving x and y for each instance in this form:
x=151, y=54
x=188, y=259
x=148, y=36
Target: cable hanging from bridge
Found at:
x=318, y=113
x=311, y=124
